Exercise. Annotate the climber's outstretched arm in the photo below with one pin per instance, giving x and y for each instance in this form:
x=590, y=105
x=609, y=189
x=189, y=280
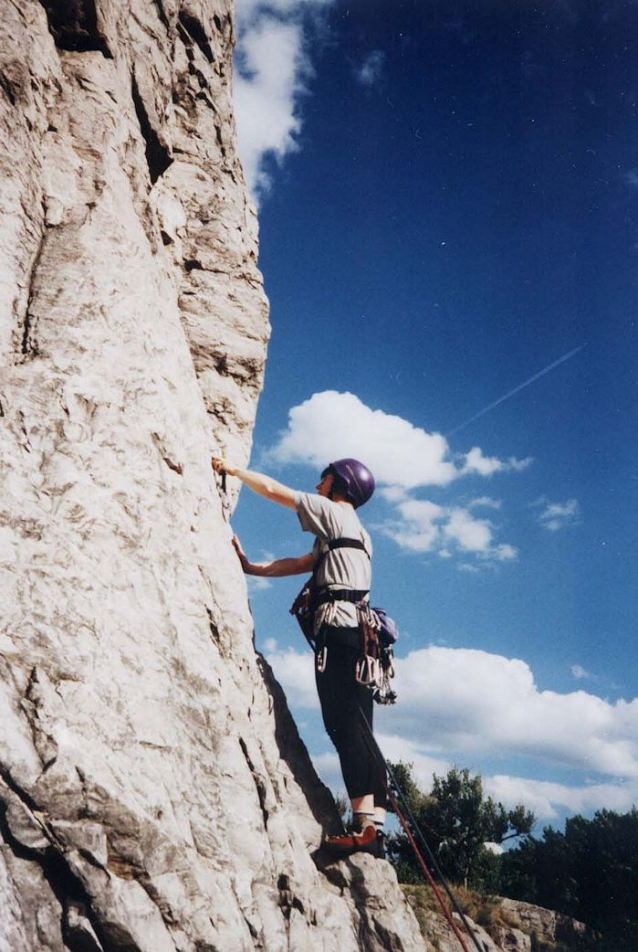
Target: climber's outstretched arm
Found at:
x=276, y=569
x=259, y=483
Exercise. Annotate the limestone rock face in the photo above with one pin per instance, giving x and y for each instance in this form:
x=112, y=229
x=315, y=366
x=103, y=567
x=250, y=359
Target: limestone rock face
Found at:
x=441, y=938
x=154, y=794
x=545, y=926
x=518, y=927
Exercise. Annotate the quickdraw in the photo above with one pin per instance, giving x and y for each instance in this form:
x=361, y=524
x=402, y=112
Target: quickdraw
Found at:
x=367, y=668
x=374, y=668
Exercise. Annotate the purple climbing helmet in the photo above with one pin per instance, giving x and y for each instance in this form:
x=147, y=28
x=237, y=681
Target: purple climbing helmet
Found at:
x=353, y=479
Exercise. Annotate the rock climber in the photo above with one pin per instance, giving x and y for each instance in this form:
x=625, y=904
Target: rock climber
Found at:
x=342, y=576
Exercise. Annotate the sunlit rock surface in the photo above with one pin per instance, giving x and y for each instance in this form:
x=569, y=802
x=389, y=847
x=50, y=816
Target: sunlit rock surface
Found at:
x=509, y=926
x=154, y=794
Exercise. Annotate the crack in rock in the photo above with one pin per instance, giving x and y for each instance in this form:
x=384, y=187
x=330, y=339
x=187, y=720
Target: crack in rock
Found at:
x=44, y=743
x=195, y=33
x=260, y=785
x=158, y=157
x=74, y=25
x=287, y=899
x=28, y=344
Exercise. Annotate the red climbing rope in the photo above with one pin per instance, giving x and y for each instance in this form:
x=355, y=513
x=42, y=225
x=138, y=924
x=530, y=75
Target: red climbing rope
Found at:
x=376, y=751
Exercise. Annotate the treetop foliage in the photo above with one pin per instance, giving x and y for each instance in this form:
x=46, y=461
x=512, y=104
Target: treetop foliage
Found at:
x=457, y=821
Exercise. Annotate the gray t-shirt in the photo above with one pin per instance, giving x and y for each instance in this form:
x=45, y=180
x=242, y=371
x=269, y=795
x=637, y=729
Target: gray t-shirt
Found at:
x=344, y=568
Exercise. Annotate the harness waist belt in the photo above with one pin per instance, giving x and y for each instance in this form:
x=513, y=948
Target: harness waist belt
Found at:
x=343, y=595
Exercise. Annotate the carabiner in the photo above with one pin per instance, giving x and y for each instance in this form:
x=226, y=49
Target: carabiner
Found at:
x=367, y=671
x=321, y=659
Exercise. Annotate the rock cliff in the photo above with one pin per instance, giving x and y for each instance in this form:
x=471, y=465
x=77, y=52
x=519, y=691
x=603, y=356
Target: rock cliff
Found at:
x=154, y=794
x=507, y=926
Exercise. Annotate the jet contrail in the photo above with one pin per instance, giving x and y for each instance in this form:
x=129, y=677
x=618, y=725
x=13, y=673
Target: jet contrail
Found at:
x=541, y=373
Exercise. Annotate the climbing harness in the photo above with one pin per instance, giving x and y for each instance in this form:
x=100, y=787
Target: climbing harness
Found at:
x=395, y=794
x=312, y=596
x=377, y=632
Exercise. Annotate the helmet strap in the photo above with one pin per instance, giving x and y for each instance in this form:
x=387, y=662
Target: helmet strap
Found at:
x=328, y=471
x=338, y=488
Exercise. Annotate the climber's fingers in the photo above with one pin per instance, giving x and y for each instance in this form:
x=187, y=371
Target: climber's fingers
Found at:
x=241, y=555
x=219, y=464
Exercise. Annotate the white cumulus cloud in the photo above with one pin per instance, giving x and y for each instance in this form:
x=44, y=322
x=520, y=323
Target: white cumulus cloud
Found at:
x=295, y=670
x=476, y=462
x=558, y=515
x=475, y=701
x=470, y=534
x=331, y=425
x=273, y=67
x=404, y=458
x=424, y=526
x=547, y=799
x=419, y=528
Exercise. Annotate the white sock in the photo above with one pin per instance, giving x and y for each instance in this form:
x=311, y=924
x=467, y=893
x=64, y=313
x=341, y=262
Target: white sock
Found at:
x=361, y=819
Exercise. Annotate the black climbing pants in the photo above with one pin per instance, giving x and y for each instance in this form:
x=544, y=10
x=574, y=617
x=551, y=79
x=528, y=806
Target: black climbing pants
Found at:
x=341, y=697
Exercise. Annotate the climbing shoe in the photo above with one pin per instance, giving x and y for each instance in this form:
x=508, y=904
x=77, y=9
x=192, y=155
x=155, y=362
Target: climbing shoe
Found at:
x=369, y=840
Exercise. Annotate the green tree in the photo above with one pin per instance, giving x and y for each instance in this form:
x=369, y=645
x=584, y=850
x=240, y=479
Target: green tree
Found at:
x=589, y=872
x=457, y=821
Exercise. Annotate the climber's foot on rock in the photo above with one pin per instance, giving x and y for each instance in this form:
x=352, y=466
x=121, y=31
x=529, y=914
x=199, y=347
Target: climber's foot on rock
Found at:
x=369, y=840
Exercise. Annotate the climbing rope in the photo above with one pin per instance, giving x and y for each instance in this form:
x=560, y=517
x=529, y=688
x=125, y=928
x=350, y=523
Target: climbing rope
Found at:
x=378, y=755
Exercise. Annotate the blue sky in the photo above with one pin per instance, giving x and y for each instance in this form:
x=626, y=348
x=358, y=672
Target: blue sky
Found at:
x=447, y=196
